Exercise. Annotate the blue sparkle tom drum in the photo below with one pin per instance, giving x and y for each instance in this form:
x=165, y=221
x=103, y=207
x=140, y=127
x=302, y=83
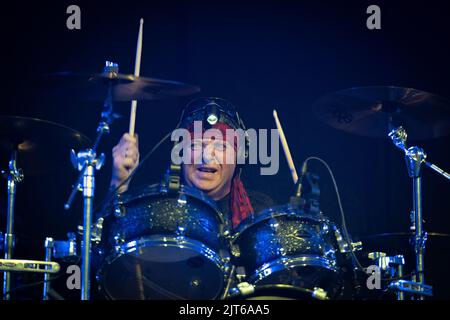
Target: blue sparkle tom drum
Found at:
x=163, y=245
x=284, y=246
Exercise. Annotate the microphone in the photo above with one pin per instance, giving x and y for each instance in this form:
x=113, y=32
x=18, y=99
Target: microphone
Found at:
x=298, y=192
x=296, y=199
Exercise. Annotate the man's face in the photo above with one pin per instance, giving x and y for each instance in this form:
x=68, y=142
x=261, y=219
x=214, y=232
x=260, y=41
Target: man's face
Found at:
x=211, y=169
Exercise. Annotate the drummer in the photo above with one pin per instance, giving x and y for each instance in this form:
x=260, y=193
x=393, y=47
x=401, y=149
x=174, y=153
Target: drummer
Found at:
x=210, y=173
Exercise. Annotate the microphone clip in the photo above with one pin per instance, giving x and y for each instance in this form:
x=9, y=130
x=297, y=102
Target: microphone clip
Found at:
x=308, y=198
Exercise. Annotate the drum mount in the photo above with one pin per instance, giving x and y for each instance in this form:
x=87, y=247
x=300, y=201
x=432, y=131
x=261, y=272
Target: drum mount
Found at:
x=414, y=157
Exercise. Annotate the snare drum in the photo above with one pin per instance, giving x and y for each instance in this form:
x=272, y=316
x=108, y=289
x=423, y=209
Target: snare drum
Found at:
x=162, y=245
x=282, y=245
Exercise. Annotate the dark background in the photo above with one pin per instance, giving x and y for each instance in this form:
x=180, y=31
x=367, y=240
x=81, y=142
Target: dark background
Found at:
x=260, y=55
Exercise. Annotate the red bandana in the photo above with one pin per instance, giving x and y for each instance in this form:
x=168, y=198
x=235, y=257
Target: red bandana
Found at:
x=240, y=204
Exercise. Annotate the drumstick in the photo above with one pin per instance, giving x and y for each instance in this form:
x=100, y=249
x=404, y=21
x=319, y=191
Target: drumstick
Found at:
x=286, y=148
x=137, y=69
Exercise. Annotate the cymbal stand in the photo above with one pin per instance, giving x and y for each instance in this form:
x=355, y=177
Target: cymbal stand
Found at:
x=14, y=176
x=86, y=161
x=48, y=258
x=415, y=156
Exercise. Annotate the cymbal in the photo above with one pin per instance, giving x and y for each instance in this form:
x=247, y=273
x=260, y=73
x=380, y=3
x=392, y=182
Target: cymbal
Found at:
x=374, y=111
x=40, y=144
x=399, y=242
x=406, y=234
x=125, y=87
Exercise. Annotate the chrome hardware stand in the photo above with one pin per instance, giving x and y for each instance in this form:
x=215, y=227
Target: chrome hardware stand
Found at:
x=87, y=162
x=29, y=266
x=411, y=287
x=392, y=265
x=48, y=258
x=14, y=176
x=66, y=250
x=415, y=156
x=229, y=281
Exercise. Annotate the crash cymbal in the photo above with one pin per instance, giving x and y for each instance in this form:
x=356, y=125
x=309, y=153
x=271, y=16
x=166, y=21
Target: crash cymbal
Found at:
x=373, y=111
x=125, y=87
x=40, y=144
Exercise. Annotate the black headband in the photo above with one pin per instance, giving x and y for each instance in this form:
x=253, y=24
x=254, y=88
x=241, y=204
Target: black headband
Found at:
x=198, y=109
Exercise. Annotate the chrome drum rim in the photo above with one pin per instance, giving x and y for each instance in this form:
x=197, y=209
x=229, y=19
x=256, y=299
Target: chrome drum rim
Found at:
x=156, y=242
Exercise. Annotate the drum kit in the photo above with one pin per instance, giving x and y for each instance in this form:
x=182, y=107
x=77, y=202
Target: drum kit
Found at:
x=157, y=242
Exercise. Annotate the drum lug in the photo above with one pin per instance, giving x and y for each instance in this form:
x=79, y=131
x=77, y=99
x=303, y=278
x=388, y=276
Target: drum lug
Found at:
x=235, y=251
x=225, y=256
x=320, y=294
x=66, y=250
x=180, y=231
x=225, y=231
x=240, y=274
x=343, y=245
x=120, y=210
x=331, y=255
x=118, y=239
x=180, y=240
x=245, y=288
x=97, y=231
x=180, y=234
x=324, y=229
x=357, y=246
x=281, y=251
x=274, y=224
x=182, y=200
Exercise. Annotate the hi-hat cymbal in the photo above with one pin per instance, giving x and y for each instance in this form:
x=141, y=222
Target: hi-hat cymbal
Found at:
x=125, y=87
x=40, y=144
x=373, y=111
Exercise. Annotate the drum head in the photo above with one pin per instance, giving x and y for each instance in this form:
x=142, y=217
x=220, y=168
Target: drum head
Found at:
x=161, y=245
x=274, y=212
x=149, y=273
x=306, y=277
x=283, y=245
